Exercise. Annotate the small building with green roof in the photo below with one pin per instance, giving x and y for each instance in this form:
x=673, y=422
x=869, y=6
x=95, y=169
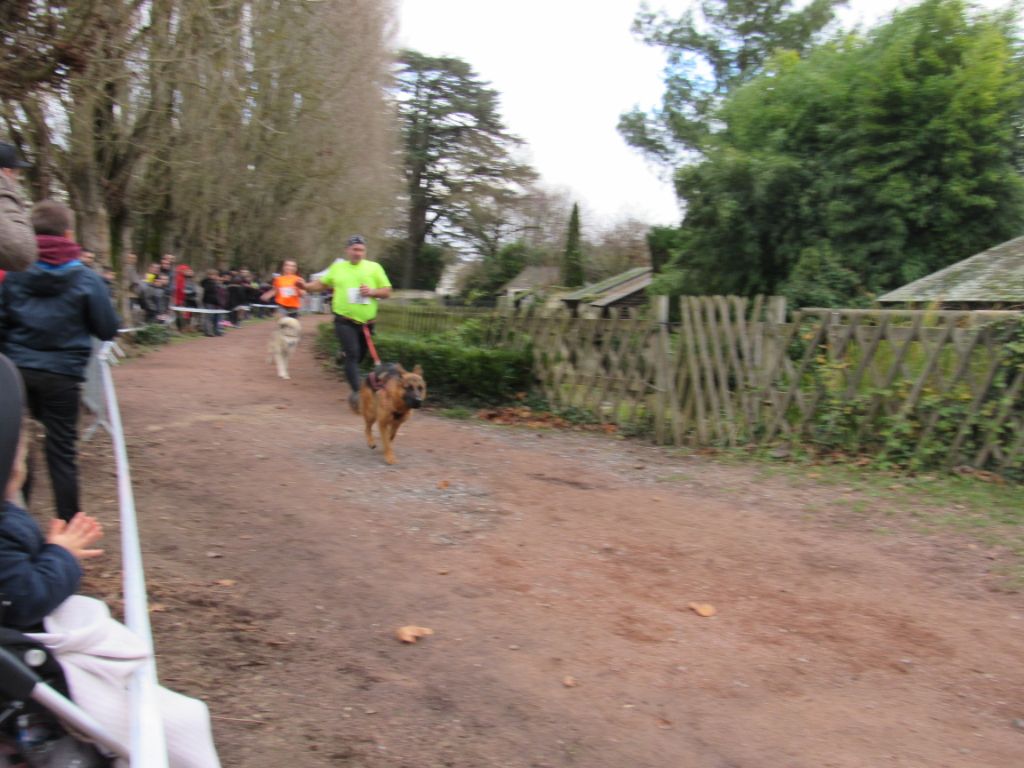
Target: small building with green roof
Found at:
x=992, y=279
x=626, y=289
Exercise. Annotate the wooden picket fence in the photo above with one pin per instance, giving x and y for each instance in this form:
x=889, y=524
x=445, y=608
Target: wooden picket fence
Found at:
x=921, y=388
x=915, y=387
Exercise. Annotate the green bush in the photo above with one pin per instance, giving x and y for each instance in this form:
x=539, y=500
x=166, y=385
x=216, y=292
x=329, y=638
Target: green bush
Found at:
x=153, y=335
x=455, y=369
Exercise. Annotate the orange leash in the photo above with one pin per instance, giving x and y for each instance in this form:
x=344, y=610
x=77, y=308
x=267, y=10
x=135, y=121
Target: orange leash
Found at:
x=369, y=345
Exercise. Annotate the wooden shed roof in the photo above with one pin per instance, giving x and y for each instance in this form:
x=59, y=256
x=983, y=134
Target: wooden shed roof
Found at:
x=614, y=288
x=994, y=276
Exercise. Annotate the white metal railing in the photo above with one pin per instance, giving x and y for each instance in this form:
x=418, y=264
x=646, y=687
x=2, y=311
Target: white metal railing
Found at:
x=148, y=745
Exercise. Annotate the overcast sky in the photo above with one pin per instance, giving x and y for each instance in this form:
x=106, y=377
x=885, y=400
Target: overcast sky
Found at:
x=566, y=70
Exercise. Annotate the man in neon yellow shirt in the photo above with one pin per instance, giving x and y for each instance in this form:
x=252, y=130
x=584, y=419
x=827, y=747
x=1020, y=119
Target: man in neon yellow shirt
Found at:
x=357, y=284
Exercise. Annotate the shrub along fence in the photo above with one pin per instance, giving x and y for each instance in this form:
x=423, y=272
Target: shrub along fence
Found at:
x=458, y=365
x=907, y=388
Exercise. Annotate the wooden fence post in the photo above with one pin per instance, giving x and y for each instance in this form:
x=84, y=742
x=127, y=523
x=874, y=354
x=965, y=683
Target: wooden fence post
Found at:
x=663, y=367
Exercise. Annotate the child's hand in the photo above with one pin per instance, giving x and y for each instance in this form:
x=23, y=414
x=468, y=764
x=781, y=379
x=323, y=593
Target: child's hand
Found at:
x=77, y=535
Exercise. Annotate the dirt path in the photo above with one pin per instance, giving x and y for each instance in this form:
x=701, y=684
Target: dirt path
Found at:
x=282, y=555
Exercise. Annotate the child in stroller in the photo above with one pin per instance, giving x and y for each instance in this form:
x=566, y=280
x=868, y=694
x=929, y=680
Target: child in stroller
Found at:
x=51, y=635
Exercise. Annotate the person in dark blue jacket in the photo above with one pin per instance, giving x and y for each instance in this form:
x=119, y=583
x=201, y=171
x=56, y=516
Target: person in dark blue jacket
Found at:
x=48, y=315
x=37, y=572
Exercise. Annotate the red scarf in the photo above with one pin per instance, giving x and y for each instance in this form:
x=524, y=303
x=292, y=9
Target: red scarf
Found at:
x=56, y=251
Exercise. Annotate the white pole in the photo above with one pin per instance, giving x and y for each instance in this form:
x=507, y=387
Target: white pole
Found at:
x=148, y=746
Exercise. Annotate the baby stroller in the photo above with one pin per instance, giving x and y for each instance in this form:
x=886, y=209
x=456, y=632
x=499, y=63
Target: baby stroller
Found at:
x=40, y=727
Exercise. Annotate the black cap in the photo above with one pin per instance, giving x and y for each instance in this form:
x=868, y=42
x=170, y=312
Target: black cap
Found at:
x=355, y=240
x=9, y=157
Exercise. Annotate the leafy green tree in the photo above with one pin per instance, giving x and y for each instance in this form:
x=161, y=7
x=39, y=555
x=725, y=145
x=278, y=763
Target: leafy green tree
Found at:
x=663, y=245
x=496, y=270
x=572, y=259
x=732, y=40
x=928, y=165
x=867, y=164
x=819, y=279
x=457, y=150
x=429, y=265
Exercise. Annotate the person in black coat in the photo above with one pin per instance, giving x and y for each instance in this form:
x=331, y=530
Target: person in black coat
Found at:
x=212, y=299
x=48, y=315
x=237, y=297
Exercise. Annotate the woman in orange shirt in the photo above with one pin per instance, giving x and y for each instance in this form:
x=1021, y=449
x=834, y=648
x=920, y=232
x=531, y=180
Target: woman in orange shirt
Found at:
x=288, y=289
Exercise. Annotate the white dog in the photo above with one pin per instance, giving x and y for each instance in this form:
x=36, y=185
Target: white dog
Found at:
x=283, y=344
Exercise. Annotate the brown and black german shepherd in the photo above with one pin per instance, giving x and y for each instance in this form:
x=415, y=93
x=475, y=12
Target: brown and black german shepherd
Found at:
x=387, y=397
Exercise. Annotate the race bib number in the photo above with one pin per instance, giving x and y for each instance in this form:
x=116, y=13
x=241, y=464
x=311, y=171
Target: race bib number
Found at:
x=354, y=297
x=288, y=291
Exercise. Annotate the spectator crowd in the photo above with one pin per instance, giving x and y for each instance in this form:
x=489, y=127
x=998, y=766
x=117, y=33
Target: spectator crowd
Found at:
x=166, y=284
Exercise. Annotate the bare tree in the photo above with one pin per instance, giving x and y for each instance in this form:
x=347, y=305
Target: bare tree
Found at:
x=236, y=131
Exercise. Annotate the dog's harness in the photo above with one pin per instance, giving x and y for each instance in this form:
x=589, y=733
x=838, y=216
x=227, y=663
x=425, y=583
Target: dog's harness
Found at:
x=379, y=376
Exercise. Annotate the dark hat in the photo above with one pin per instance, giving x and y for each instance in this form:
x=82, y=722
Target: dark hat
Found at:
x=9, y=157
x=355, y=240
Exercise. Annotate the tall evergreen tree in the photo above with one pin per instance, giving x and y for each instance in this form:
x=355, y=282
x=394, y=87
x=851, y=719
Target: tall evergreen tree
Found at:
x=572, y=260
x=457, y=149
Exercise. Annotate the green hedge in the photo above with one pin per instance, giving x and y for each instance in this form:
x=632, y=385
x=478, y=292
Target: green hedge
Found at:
x=456, y=366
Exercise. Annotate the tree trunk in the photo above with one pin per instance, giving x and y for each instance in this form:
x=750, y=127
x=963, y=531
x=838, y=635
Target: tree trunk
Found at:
x=92, y=229
x=40, y=173
x=417, y=236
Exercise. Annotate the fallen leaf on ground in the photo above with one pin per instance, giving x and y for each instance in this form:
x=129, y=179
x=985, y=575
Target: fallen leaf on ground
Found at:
x=442, y=484
x=157, y=608
x=569, y=681
x=703, y=609
x=226, y=582
x=411, y=634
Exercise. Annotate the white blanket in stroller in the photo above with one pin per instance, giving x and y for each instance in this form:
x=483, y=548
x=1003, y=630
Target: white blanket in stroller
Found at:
x=99, y=655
